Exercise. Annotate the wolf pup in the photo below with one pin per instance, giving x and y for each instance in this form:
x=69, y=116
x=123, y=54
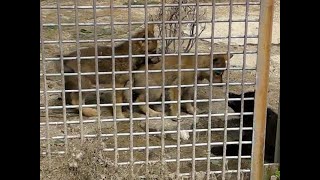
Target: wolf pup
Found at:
x=171, y=78
x=105, y=65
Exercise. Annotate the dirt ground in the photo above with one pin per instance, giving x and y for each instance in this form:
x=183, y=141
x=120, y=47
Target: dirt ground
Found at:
x=95, y=157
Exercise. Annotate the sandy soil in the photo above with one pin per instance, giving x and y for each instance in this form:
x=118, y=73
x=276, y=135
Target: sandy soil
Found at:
x=89, y=166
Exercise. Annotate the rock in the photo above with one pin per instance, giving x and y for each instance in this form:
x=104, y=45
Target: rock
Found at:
x=156, y=125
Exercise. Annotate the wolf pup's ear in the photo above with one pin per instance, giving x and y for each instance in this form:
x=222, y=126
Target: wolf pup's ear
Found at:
x=231, y=55
x=226, y=57
x=151, y=28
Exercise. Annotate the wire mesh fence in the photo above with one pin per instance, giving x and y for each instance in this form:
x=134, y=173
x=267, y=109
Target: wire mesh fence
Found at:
x=154, y=89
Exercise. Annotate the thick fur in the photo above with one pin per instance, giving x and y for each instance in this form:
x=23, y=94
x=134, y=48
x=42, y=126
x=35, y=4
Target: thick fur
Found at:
x=271, y=128
x=171, y=78
x=105, y=65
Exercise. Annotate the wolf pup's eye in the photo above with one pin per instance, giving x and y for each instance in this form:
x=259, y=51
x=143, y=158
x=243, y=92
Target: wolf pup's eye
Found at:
x=218, y=72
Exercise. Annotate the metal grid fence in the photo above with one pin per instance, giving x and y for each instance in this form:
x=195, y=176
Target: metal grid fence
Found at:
x=66, y=26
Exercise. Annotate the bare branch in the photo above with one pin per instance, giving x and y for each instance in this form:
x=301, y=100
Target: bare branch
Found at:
x=188, y=13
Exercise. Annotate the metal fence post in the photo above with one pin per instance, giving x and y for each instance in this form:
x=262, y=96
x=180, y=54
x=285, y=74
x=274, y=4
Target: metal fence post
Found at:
x=260, y=106
x=277, y=148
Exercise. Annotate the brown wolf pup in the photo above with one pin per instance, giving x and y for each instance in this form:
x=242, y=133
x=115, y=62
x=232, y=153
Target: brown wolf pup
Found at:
x=171, y=78
x=105, y=65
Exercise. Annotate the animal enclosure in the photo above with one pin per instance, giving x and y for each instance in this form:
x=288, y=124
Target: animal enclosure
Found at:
x=156, y=89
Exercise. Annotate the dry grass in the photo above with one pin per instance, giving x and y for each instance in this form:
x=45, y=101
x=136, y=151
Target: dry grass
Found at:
x=89, y=162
